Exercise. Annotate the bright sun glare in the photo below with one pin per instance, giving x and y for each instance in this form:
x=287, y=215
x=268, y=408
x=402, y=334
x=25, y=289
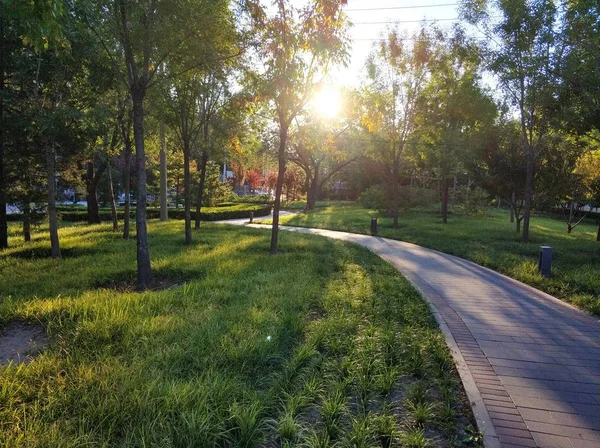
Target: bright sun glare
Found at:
x=327, y=102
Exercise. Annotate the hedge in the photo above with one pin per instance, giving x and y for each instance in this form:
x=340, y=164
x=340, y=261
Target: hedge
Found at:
x=209, y=214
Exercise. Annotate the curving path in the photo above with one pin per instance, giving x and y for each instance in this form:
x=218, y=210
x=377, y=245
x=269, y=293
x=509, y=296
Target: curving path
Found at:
x=530, y=363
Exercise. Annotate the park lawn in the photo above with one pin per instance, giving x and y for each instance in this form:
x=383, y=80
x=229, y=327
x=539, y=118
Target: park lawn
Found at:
x=489, y=240
x=323, y=344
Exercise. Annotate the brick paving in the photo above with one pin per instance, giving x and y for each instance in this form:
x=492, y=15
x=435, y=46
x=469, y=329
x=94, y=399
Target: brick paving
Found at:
x=532, y=361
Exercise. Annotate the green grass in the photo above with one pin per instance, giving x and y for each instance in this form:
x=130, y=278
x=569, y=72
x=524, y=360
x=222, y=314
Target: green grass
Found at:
x=323, y=344
x=489, y=240
x=299, y=205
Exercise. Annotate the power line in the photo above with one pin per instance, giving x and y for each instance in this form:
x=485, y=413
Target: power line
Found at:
x=400, y=7
x=457, y=19
x=403, y=40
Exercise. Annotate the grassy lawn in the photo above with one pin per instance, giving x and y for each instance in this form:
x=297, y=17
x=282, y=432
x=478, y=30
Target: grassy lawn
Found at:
x=321, y=345
x=490, y=241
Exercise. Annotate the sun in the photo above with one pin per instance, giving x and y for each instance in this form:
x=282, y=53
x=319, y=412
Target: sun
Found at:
x=326, y=102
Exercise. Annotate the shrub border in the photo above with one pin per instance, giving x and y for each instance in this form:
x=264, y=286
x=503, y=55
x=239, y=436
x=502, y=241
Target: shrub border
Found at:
x=81, y=215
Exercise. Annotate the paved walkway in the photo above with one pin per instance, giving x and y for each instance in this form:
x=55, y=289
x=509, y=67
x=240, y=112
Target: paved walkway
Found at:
x=529, y=362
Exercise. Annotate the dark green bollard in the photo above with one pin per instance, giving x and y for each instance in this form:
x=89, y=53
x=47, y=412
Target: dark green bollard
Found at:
x=251, y=217
x=374, y=226
x=545, y=261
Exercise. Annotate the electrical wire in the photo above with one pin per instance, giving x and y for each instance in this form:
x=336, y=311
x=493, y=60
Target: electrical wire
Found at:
x=400, y=7
x=392, y=22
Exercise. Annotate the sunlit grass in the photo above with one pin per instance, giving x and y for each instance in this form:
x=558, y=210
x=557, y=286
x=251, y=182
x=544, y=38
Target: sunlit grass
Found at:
x=315, y=346
x=489, y=240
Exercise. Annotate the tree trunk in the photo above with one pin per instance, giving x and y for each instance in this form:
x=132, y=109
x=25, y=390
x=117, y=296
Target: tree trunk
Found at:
x=283, y=133
x=187, y=193
x=111, y=195
x=91, y=188
x=571, y=215
x=307, y=187
x=26, y=222
x=164, y=211
x=395, y=194
x=313, y=192
x=512, y=207
x=445, y=200
x=519, y=224
x=528, y=194
x=127, y=190
x=200, y=198
x=312, y=196
x=144, y=270
x=177, y=191
x=51, y=178
x=3, y=216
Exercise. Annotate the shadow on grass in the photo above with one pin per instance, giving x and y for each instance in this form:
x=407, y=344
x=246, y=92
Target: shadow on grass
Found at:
x=32, y=253
x=164, y=277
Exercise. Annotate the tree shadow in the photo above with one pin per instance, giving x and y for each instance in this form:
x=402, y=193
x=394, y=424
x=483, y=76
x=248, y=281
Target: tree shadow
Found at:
x=33, y=253
x=165, y=277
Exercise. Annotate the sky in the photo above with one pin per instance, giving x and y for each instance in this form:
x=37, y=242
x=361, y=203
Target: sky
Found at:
x=370, y=18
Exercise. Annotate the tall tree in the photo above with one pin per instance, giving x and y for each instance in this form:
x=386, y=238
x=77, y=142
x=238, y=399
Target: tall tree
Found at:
x=579, y=90
x=137, y=32
x=105, y=139
x=452, y=108
x=498, y=165
x=522, y=53
x=195, y=95
x=398, y=70
x=184, y=99
x=297, y=48
x=212, y=108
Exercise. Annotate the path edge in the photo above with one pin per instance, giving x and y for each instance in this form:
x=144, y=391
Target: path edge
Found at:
x=480, y=412
x=591, y=319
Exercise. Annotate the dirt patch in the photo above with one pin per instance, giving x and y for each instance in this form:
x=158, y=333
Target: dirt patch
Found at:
x=165, y=278
x=21, y=341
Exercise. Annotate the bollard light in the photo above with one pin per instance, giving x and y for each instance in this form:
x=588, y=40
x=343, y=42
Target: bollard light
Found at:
x=545, y=261
x=374, y=226
x=251, y=217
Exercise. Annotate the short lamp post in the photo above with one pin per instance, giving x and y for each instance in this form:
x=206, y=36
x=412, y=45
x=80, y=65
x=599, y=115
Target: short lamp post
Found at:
x=374, y=226
x=545, y=261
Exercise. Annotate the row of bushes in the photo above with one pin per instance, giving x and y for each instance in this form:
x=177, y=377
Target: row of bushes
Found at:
x=378, y=197
x=253, y=199
x=463, y=199
x=208, y=213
